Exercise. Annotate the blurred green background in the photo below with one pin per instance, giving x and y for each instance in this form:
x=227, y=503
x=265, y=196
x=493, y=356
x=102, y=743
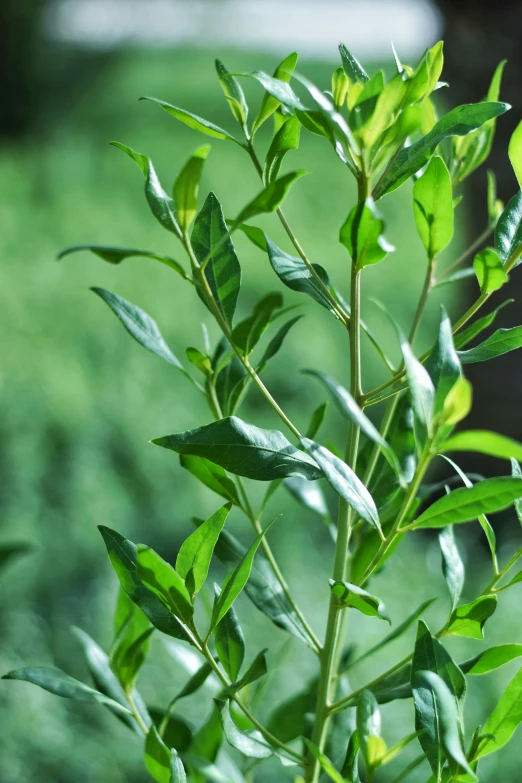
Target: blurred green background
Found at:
x=80, y=400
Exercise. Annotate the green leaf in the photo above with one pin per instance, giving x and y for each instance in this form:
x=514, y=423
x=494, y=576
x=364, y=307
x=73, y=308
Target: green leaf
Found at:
x=286, y=139
x=271, y=197
x=161, y=577
x=257, y=669
x=199, y=360
x=123, y=555
x=196, y=551
x=429, y=654
x=492, y=658
x=247, y=333
x=469, y=619
x=207, y=740
x=386, y=112
x=351, y=411
x=115, y=255
x=465, y=504
x=504, y=719
x=316, y=419
x=495, y=205
x=249, y=744
x=324, y=762
x=437, y=723
x=140, y=325
x=452, y=565
x=276, y=342
x=230, y=642
x=340, y=85
x=255, y=235
x=244, y=449
x=10, y=550
x=131, y=640
x=344, y=481
x=236, y=580
x=350, y=768
x=269, y=104
x=490, y=271
x=142, y=161
x=485, y=442
x=362, y=235
x=211, y=475
x=467, y=335
x=352, y=67
x=426, y=75
x=351, y=595
x=186, y=187
x=56, y=681
x=177, y=770
x=515, y=152
x=233, y=93
x=458, y=122
x=368, y=718
x=263, y=588
x=157, y=757
x=194, y=683
x=516, y=472
x=444, y=368
x=308, y=493
x=278, y=88
x=508, y=232
x=433, y=207
x=210, y=240
x=291, y=718
x=193, y=121
x=500, y=342
x=294, y=273
x=422, y=391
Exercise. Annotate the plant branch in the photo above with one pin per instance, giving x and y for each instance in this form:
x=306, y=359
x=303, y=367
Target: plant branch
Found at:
x=471, y=249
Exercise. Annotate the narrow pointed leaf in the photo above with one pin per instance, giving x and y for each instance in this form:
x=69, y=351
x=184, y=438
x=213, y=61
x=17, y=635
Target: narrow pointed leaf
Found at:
x=196, y=551
x=157, y=757
x=193, y=121
x=258, y=668
x=308, y=493
x=508, y=231
x=177, y=770
x=368, y=720
x=233, y=93
x=271, y=197
x=252, y=744
x=230, y=642
x=285, y=140
x=115, y=255
x=278, y=88
x=505, y=718
x=324, y=762
x=492, y=658
x=211, y=475
x=500, y=342
x=165, y=581
x=452, y=565
x=186, y=187
x=443, y=364
x=422, y=391
x=465, y=336
x=269, y=104
x=352, y=67
x=469, y=619
x=276, y=342
x=351, y=595
x=485, y=442
x=433, y=207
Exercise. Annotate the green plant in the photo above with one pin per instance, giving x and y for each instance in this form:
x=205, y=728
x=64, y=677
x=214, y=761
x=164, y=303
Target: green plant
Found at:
x=385, y=133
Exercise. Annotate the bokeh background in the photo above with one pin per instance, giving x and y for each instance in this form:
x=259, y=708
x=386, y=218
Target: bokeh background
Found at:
x=79, y=400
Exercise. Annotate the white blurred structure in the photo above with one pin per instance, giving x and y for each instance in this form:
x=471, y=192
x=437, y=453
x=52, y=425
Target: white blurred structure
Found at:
x=315, y=27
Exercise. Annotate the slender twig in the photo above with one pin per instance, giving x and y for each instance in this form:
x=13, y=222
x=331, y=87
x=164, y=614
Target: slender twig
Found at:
x=471, y=249
x=139, y=720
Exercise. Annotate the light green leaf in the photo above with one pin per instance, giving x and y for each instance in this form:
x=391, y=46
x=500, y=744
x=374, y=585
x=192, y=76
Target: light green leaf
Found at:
x=465, y=504
x=211, y=475
x=286, y=139
x=271, y=197
x=426, y=75
x=433, y=207
x=344, y=481
x=465, y=336
x=351, y=411
x=362, y=235
x=278, y=88
x=140, y=325
x=368, y=719
x=186, y=187
x=340, y=84
x=294, y=273
x=236, y=580
x=352, y=67
x=469, y=619
x=132, y=633
x=516, y=472
x=504, y=719
x=193, y=121
x=492, y=658
x=247, y=333
x=452, y=565
x=142, y=161
x=56, y=681
x=210, y=239
x=422, y=391
x=269, y=104
x=500, y=342
x=115, y=255
x=233, y=93
x=324, y=762
x=257, y=669
x=485, y=442
x=356, y=597
x=308, y=493
x=229, y=641
x=386, y=112
x=490, y=271
x=196, y=551
x=157, y=757
x=458, y=122
x=177, y=770
x=443, y=366
x=508, y=232
x=243, y=449
x=515, y=152
x=249, y=744
x=160, y=576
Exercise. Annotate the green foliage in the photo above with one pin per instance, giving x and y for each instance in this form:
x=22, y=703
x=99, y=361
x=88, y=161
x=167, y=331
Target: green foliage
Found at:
x=384, y=133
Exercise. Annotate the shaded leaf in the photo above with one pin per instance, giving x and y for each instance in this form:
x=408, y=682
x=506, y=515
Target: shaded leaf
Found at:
x=186, y=187
x=500, y=342
x=508, y=231
x=452, y=565
x=230, y=642
x=258, y=668
x=368, y=719
x=249, y=744
x=269, y=104
x=157, y=757
x=211, y=475
x=352, y=67
x=308, y=493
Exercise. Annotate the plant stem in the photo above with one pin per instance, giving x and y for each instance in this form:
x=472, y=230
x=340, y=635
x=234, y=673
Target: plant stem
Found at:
x=135, y=711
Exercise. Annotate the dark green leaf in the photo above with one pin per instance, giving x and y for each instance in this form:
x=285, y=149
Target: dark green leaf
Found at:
x=233, y=93
x=115, y=255
x=362, y=235
x=294, y=273
x=508, y=232
x=452, y=565
x=140, y=325
x=465, y=504
x=469, y=619
x=308, y=493
x=244, y=449
x=467, y=335
x=429, y=654
x=286, y=139
x=271, y=197
x=211, y=475
x=350, y=768
x=344, y=481
x=193, y=121
x=157, y=757
x=56, y=681
x=194, y=683
x=492, y=658
x=247, y=333
x=210, y=240
x=11, y=550
x=258, y=668
x=292, y=718
x=207, y=740
x=352, y=67
x=316, y=419
x=249, y=744
x=500, y=342
x=196, y=551
x=485, y=442
x=131, y=640
x=351, y=595
x=269, y=104
x=276, y=342
x=433, y=207
x=490, y=271
x=186, y=187
x=504, y=719
x=230, y=642
x=443, y=364
x=458, y=122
